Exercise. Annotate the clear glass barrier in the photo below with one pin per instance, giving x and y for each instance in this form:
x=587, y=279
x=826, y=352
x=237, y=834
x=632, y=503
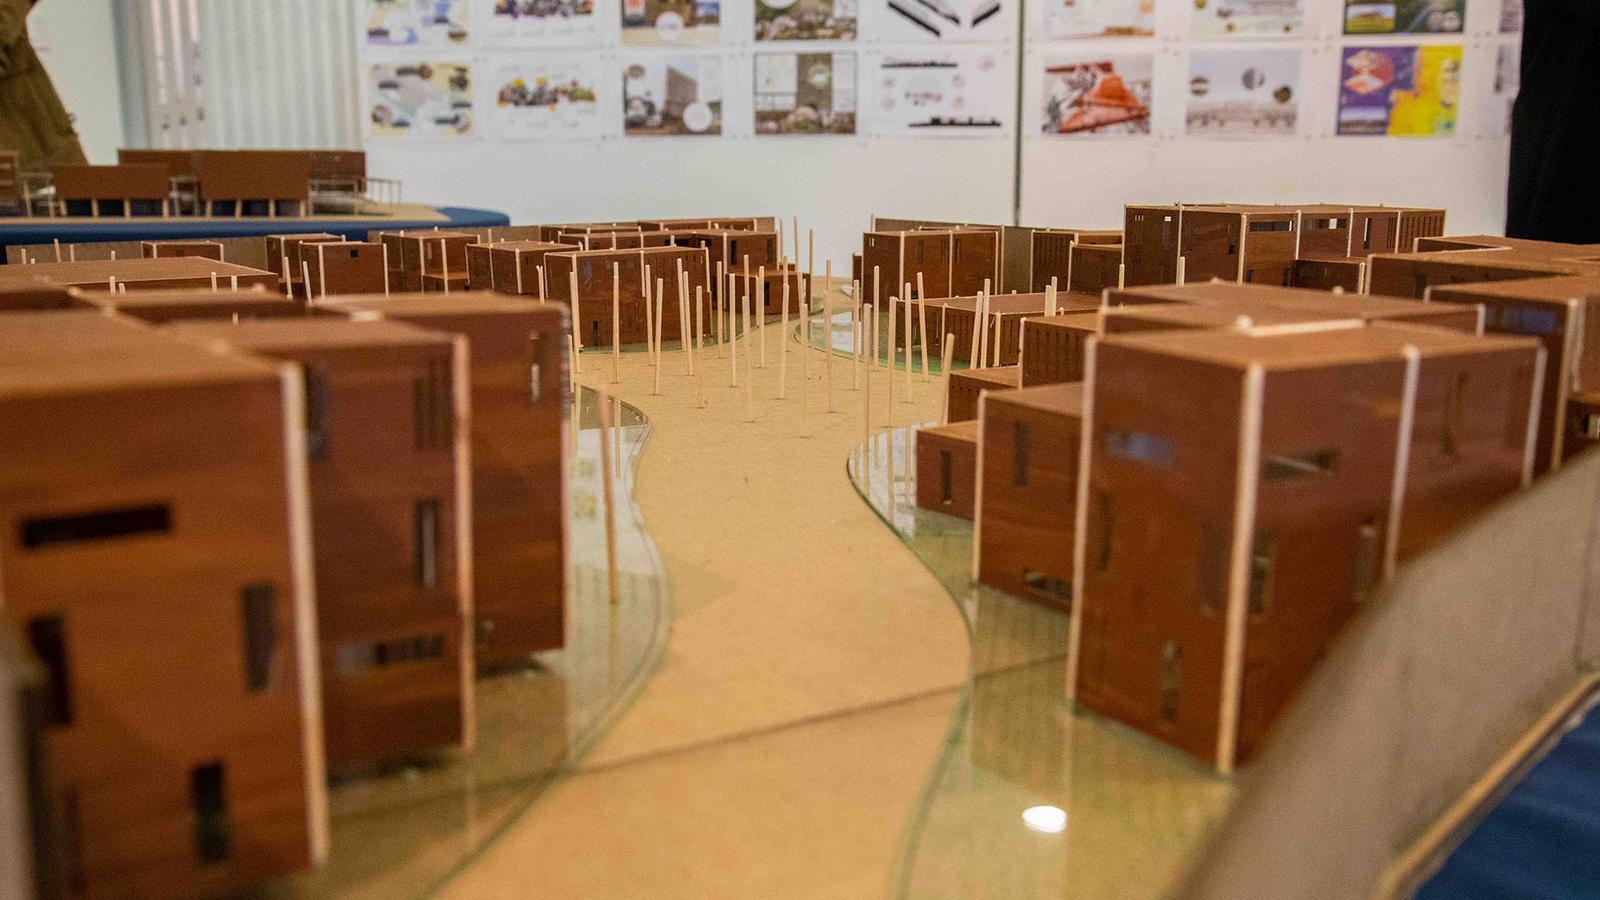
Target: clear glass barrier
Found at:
x=403, y=831
x=1030, y=798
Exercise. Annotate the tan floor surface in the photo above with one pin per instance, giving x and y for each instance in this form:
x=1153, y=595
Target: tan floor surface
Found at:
x=812, y=670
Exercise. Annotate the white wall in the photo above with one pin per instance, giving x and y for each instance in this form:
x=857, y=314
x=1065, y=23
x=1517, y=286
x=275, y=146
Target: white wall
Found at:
x=77, y=41
x=836, y=184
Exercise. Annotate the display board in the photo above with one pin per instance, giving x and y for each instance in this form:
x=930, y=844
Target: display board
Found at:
x=838, y=109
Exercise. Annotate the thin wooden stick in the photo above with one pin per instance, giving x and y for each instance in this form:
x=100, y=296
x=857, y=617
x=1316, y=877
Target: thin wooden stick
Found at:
x=606, y=439
x=811, y=264
x=888, y=409
x=761, y=311
x=616, y=323
x=749, y=376
x=685, y=340
x=649, y=315
x=910, y=363
x=996, y=350
x=855, y=335
x=944, y=379
x=827, y=329
x=719, y=309
x=661, y=305
x=733, y=327
x=577, y=312
x=866, y=383
x=805, y=388
x=213, y=281
x=922, y=318
x=877, y=300
x=783, y=344
x=699, y=346
x=542, y=285
x=973, y=352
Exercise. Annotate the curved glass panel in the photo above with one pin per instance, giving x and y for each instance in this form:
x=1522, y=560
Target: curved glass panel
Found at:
x=1031, y=798
x=403, y=831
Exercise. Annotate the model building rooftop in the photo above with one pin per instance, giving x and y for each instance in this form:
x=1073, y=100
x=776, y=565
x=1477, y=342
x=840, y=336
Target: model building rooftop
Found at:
x=1554, y=290
x=431, y=304
x=98, y=271
x=1334, y=343
x=1061, y=398
x=313, y=333
x=69, y=351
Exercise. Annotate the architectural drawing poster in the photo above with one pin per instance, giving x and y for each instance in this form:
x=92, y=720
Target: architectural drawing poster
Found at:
x=1251, y=92
x=805, y=20
x=417, y=23
x=1098, y=18
x=1510, y=16
x=533, y=23
x=647, y=23
x=1400, y=91
x=1097, y=95
x=672, y=95
x=1246, y=18
x=1404, y=16
x=544, y=96
x=419, y=100
x=943, y=20
x=950, y=91
x=805, y=93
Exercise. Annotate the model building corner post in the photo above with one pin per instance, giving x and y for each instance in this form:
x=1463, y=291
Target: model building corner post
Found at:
x=1236, y=615
x=1080, y=531
x=461, y=395
x=307, y=665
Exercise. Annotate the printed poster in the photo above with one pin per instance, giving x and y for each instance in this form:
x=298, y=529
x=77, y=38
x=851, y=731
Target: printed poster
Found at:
x=944, y=20
x=1400, y=91
x=544, y=96
x=542, y=23
x=672, y=95
x=1404, y=17
x=1510, y=16
x=1246, y=18
x=946, y=92
x=419, y=100
x=805, y=20
x=805, y=93
x=1243, y=93
x=1108, y=95
x=1099, y=18
x=648, y=23
x=417, y=23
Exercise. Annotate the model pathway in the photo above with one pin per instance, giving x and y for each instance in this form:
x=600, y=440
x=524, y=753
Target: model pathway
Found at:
x=813, y=668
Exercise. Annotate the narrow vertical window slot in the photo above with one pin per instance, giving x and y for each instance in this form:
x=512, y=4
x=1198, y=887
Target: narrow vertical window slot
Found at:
x=425, y=542
x=1171, y=680
x=1263, y=563
x=316, y=387
x=946, y=477
x=536, y=368
x=257, y=603
x=47, y=635
x=208, y=797
x=1019, y=454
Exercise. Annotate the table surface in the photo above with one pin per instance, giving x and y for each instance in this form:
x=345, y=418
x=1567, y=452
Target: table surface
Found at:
x=80, y=230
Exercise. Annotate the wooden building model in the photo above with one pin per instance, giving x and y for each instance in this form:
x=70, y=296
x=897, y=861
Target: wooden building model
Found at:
x=1027, y=489
x=947, y=457
x=1224, y=536
x=388, y=453
x=967, y=384
x=511, y=267
x=518, y=380
x=344, y=267
x=157, y=307
x=951, y=263
x=165, y=274
x=154, y=499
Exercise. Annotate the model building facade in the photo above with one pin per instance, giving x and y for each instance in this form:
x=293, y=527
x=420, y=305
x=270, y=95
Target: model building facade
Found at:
x=518, y=385
x=387, y=451
x=953, y=263
x=135, y=460
x=1027, y=490
x=947, y=457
